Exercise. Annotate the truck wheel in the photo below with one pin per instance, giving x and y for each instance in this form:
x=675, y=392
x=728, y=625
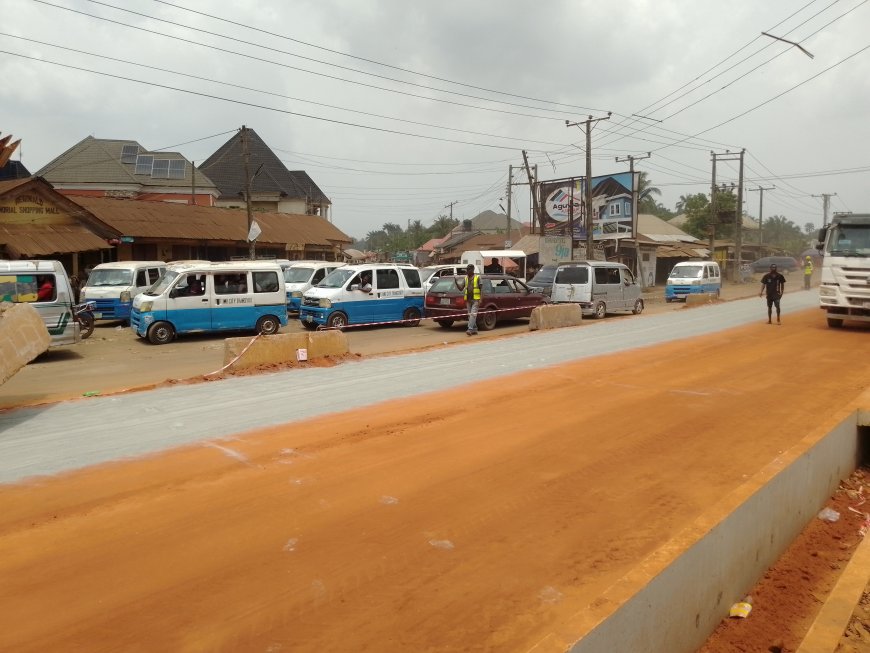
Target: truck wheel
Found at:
x=600, y=310
x=411, y=317
x=834, y=323
x=486, y=320
x=337, y=320
x=161, y=333
x=445, y=323
x=638, y=307
x=268, y=325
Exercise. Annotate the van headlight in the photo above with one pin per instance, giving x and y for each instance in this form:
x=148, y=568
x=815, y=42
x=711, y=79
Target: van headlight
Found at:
x=125, y=297
x=145, y=307
x=325, y=303
x=296, y=293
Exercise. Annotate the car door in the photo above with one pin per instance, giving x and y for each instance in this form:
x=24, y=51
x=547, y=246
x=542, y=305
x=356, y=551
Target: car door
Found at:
x=525, y=300
x=188, y=306
x=630, y=289
x=388, y=295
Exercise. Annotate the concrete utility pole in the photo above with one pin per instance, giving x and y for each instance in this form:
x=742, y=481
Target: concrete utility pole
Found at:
x=533, y=187
x=634, y=198
x=590, y=245
x=738, y=255
x=246, y=158
x=510, y=179
x=450, y=206
x=728, y=155
x=761, y=190
x=826, y=205
x=711, y=225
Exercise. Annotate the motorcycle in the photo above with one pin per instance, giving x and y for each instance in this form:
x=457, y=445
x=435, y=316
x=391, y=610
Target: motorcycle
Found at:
x=84, y=314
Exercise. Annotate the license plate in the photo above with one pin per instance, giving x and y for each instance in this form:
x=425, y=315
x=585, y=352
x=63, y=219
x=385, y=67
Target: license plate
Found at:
x=446, y=301
x=99, y=316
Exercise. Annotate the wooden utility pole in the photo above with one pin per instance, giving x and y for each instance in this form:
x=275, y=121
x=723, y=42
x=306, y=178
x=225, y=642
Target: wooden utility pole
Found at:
x=246, y=158
x=510, y=179
x=826, y=205
x=193, y=183
x=590, y=244
x=450, y=206
x=711, y=223
x=738, y=254
x=761, y=190
x=634, y=200
x=533, y=187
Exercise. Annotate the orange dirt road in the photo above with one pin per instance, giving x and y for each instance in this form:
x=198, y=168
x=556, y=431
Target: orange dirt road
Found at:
x=478, y=519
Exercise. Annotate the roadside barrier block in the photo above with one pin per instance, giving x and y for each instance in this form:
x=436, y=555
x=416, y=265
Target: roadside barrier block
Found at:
x=241, y=353
x=327, y=343
x=554, y=316
x=23, y=337
x=701, y=298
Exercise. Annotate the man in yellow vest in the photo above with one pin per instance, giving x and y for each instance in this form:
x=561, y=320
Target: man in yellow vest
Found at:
x=808, y=272
x=472, y=298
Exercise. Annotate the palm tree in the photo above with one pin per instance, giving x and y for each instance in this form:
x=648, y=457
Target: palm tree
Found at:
x=645, y=192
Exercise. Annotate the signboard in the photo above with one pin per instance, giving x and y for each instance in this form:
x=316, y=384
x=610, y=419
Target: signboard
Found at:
x=563, y=202
x=553, y=249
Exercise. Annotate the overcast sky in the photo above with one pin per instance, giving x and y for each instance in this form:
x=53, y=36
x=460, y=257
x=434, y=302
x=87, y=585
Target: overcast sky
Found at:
x=397, y=108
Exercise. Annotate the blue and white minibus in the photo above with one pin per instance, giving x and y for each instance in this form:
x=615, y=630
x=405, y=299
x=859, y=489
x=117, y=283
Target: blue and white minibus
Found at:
x=210, y=297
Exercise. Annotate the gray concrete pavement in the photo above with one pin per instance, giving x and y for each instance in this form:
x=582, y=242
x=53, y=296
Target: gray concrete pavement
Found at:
x=49, y=439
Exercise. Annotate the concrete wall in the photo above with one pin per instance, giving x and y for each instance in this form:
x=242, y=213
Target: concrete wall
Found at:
x=23, y=337
x=245, y=353
x=554, y=316
x=673, y=600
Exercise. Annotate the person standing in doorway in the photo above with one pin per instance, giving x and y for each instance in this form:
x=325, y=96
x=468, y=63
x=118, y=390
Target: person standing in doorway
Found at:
x=472, y=297
x=808, y=272
x=774, y=284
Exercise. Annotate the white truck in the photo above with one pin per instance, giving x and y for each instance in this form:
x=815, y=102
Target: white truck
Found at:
x=844, y=293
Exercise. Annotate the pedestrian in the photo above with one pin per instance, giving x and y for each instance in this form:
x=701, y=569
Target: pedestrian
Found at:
x=472, y=297
x=774, y=284
x=808, y=272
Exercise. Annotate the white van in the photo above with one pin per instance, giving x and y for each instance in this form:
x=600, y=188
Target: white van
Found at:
x=430, y=274
x=599, y=287
x=299, y=276
x=364, y=294
x=207, y=297
x=46, y=286
x=691, y=277
x=112, y=286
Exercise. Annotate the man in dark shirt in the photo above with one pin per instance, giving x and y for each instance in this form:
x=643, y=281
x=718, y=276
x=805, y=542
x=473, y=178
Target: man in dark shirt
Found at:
x=774, y=284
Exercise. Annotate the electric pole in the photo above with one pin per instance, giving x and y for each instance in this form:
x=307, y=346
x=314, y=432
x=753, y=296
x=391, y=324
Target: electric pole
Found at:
x=590, y=246
x=533, y=187
x=738, y=278
x=634, y=198
x=450, y=206
x=738, y=219
x=761, y=190
x=510, y=179
x=246, y=158
x=826, y=205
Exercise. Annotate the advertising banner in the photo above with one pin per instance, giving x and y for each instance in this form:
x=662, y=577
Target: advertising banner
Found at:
x=563, y=203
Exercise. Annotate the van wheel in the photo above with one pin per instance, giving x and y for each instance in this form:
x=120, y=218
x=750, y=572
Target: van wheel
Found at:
x=160, y=333
x=600, y=310
x=445, y=323
x=486, y=320
x=337, y=320
x=669, y=299
x=638, y=307
x=411, y=317
x=834, y=323
x=311, y=326
x=268, y=325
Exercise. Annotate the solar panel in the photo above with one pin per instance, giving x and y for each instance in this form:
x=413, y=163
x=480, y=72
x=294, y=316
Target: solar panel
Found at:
x=160, y=169
x=177, y=168
x=143, y=164
x=128, y=153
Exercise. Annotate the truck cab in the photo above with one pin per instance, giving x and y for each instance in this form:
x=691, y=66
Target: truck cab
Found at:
x=844, y=291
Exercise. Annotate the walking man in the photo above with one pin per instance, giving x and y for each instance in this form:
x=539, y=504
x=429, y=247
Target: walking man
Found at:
x=472, y=298
x=808, y=272
x=774, y=283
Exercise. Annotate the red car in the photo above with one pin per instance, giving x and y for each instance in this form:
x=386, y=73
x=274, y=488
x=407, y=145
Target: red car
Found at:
x=502, y=297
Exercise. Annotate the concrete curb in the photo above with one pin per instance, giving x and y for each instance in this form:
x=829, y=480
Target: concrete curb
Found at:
x=831, y=621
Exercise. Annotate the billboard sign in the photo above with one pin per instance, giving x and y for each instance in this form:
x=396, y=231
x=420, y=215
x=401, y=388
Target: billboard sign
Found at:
x=612, y=215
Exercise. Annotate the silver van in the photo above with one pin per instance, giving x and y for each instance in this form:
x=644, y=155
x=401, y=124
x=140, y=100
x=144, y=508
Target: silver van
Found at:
x=599, y=287
x=44, y=285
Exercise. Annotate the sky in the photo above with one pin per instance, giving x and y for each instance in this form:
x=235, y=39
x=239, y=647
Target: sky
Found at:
x=407, y=110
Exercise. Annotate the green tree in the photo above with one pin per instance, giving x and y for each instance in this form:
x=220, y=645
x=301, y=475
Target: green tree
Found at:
x=442, y=226
x=784, y=234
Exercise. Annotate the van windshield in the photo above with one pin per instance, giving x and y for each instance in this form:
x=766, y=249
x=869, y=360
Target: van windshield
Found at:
x=687, y=271
x=573, y=274
x=544, y=276
x=110, y=277
x=298, y=274
x=336, y=278
x=163, y=283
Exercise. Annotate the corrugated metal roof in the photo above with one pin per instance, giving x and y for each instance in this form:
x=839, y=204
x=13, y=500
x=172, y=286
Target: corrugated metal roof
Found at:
x=186, y=222
x=23, y=240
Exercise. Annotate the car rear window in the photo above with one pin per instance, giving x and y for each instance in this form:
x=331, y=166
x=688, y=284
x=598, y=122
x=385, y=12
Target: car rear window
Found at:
x=444, y=284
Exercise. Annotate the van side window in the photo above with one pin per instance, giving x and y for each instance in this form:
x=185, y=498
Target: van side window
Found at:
x=141, y=278
x=231, y=283
x=24, y=288
x=573, y=275
x=412, y=278
x=627, y=276
x=265, y=281
x=387, y=278
x=318, y=276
